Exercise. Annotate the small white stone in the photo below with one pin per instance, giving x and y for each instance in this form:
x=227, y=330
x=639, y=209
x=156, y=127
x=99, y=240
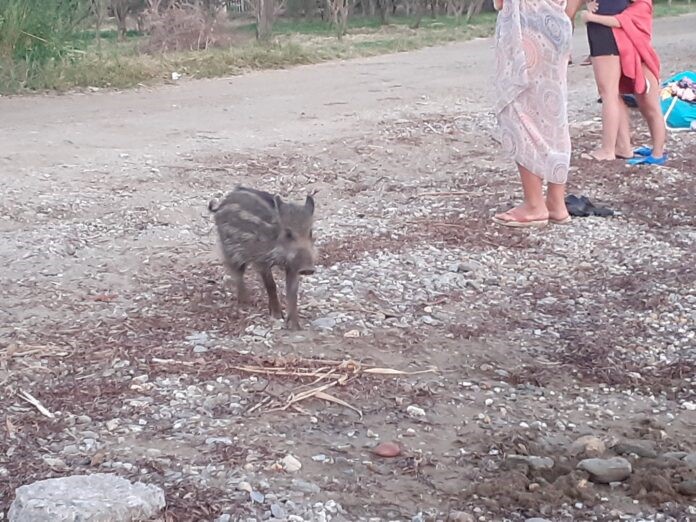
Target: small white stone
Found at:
x=291, y=464
x=415, y=411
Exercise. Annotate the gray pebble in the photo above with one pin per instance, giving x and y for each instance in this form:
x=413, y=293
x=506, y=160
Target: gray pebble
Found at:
x=277, y=511
x=305, y=487
x=642, y=448
x=606, y=471
x=324, y=323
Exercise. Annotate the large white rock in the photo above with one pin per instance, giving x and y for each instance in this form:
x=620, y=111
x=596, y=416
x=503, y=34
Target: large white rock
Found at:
x=86, y=498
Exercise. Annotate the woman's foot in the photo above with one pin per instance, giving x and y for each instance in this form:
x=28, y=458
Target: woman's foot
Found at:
x=523, y=216
x=558, y=213
x=602, y=155
x=625, y=154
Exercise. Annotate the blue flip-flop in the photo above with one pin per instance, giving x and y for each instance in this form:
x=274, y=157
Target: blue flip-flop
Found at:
x=643, y=151
x=648, y=160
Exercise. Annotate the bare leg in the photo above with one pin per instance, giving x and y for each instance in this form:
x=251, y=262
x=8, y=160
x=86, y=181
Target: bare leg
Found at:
x=607, y=70
x=555, y=202
x=292, y=284
x=572, y=7
x=649, y=104
x=624, y=149
x=533, y=208
x=272, y=290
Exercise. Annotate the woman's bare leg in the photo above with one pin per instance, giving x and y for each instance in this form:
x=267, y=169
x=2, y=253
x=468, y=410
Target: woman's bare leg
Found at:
x=649, y=105
x=533, y=208
x=555, y=202
x=624, y=149
x=607, y=70
x=572, y=7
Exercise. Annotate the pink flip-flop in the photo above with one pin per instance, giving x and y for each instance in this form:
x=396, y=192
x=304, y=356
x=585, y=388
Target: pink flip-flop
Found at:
x=513, y=223
x=565, y=221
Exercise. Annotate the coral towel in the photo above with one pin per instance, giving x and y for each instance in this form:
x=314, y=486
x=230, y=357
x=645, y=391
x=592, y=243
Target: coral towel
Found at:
x=634, y=40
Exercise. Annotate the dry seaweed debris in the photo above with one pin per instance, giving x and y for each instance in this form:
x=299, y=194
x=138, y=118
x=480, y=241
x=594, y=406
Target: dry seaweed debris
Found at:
x=330, y=375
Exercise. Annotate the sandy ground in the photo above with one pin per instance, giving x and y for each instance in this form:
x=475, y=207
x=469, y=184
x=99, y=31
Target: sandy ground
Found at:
x=116, y=317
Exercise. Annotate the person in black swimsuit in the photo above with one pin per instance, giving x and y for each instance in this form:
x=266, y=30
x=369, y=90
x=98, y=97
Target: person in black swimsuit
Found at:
x=616, y=140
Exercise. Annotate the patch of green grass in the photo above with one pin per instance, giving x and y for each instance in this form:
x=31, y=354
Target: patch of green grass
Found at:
x=662, y=8
x=121, y=66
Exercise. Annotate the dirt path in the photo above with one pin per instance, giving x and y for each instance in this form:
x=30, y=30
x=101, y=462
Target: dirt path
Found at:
x=263, y=109
x=115, y=316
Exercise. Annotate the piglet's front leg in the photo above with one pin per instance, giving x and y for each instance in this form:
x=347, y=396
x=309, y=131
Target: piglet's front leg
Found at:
x=292, y=284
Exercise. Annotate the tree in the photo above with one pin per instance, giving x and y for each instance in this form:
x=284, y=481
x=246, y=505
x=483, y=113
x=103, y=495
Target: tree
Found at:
x=265, y=10
x=340, y=9
x=98, y=8
x=120, y=9
x=383, y=10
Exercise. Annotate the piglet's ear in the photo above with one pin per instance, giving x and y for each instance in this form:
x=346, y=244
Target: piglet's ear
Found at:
x=309, y=204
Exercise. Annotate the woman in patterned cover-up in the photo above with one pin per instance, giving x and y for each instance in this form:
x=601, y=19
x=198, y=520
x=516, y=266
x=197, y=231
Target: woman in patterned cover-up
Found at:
x=532, y=48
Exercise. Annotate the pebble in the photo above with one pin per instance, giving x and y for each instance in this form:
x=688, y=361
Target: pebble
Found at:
x=588, y=445
x=689, y=406
x=677, y=455
x=690, y=459
x=86, y=497
x=54, y=463
x=605, y=471
x=277, y=511
x=324, y=323
x=687, y=488
x=415, y=411
x=535, y=463
x=218, y=440
x=387, y=450
x=460, y=516
x=642, y=448
x=244, y=486
x=291, y=464
x=305, y=487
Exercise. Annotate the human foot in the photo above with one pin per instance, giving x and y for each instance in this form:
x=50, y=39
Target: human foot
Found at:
x=558, y=213
x=602, y=155
x=523, y=216
x=624, y=153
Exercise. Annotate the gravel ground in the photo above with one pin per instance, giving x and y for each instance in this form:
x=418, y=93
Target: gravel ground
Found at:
x=117, y=317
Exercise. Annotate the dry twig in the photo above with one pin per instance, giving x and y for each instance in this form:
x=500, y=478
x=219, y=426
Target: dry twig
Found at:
x=338, y=373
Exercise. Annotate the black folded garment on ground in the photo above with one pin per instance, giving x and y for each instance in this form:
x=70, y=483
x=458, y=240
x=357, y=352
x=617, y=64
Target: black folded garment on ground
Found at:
x=581, y=206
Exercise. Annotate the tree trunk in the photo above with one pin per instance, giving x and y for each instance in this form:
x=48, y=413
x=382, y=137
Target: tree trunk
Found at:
x=121, y=9
x=383, y=7
x=474, y=9
x=98, y=11
x=264, y=18
x=419, y=8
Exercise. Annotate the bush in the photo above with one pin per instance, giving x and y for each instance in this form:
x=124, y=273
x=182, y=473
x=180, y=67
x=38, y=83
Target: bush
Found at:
x=188, y=28
x=36, y=31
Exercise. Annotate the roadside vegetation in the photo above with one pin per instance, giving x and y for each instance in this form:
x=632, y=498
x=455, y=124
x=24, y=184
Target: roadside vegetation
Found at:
x=60, y=45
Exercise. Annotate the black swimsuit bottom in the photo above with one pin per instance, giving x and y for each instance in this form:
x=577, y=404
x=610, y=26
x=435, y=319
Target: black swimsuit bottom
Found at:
x=601, y=39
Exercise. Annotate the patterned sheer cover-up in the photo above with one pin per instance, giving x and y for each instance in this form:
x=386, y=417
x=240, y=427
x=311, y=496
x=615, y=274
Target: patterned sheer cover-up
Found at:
x=532, y=48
